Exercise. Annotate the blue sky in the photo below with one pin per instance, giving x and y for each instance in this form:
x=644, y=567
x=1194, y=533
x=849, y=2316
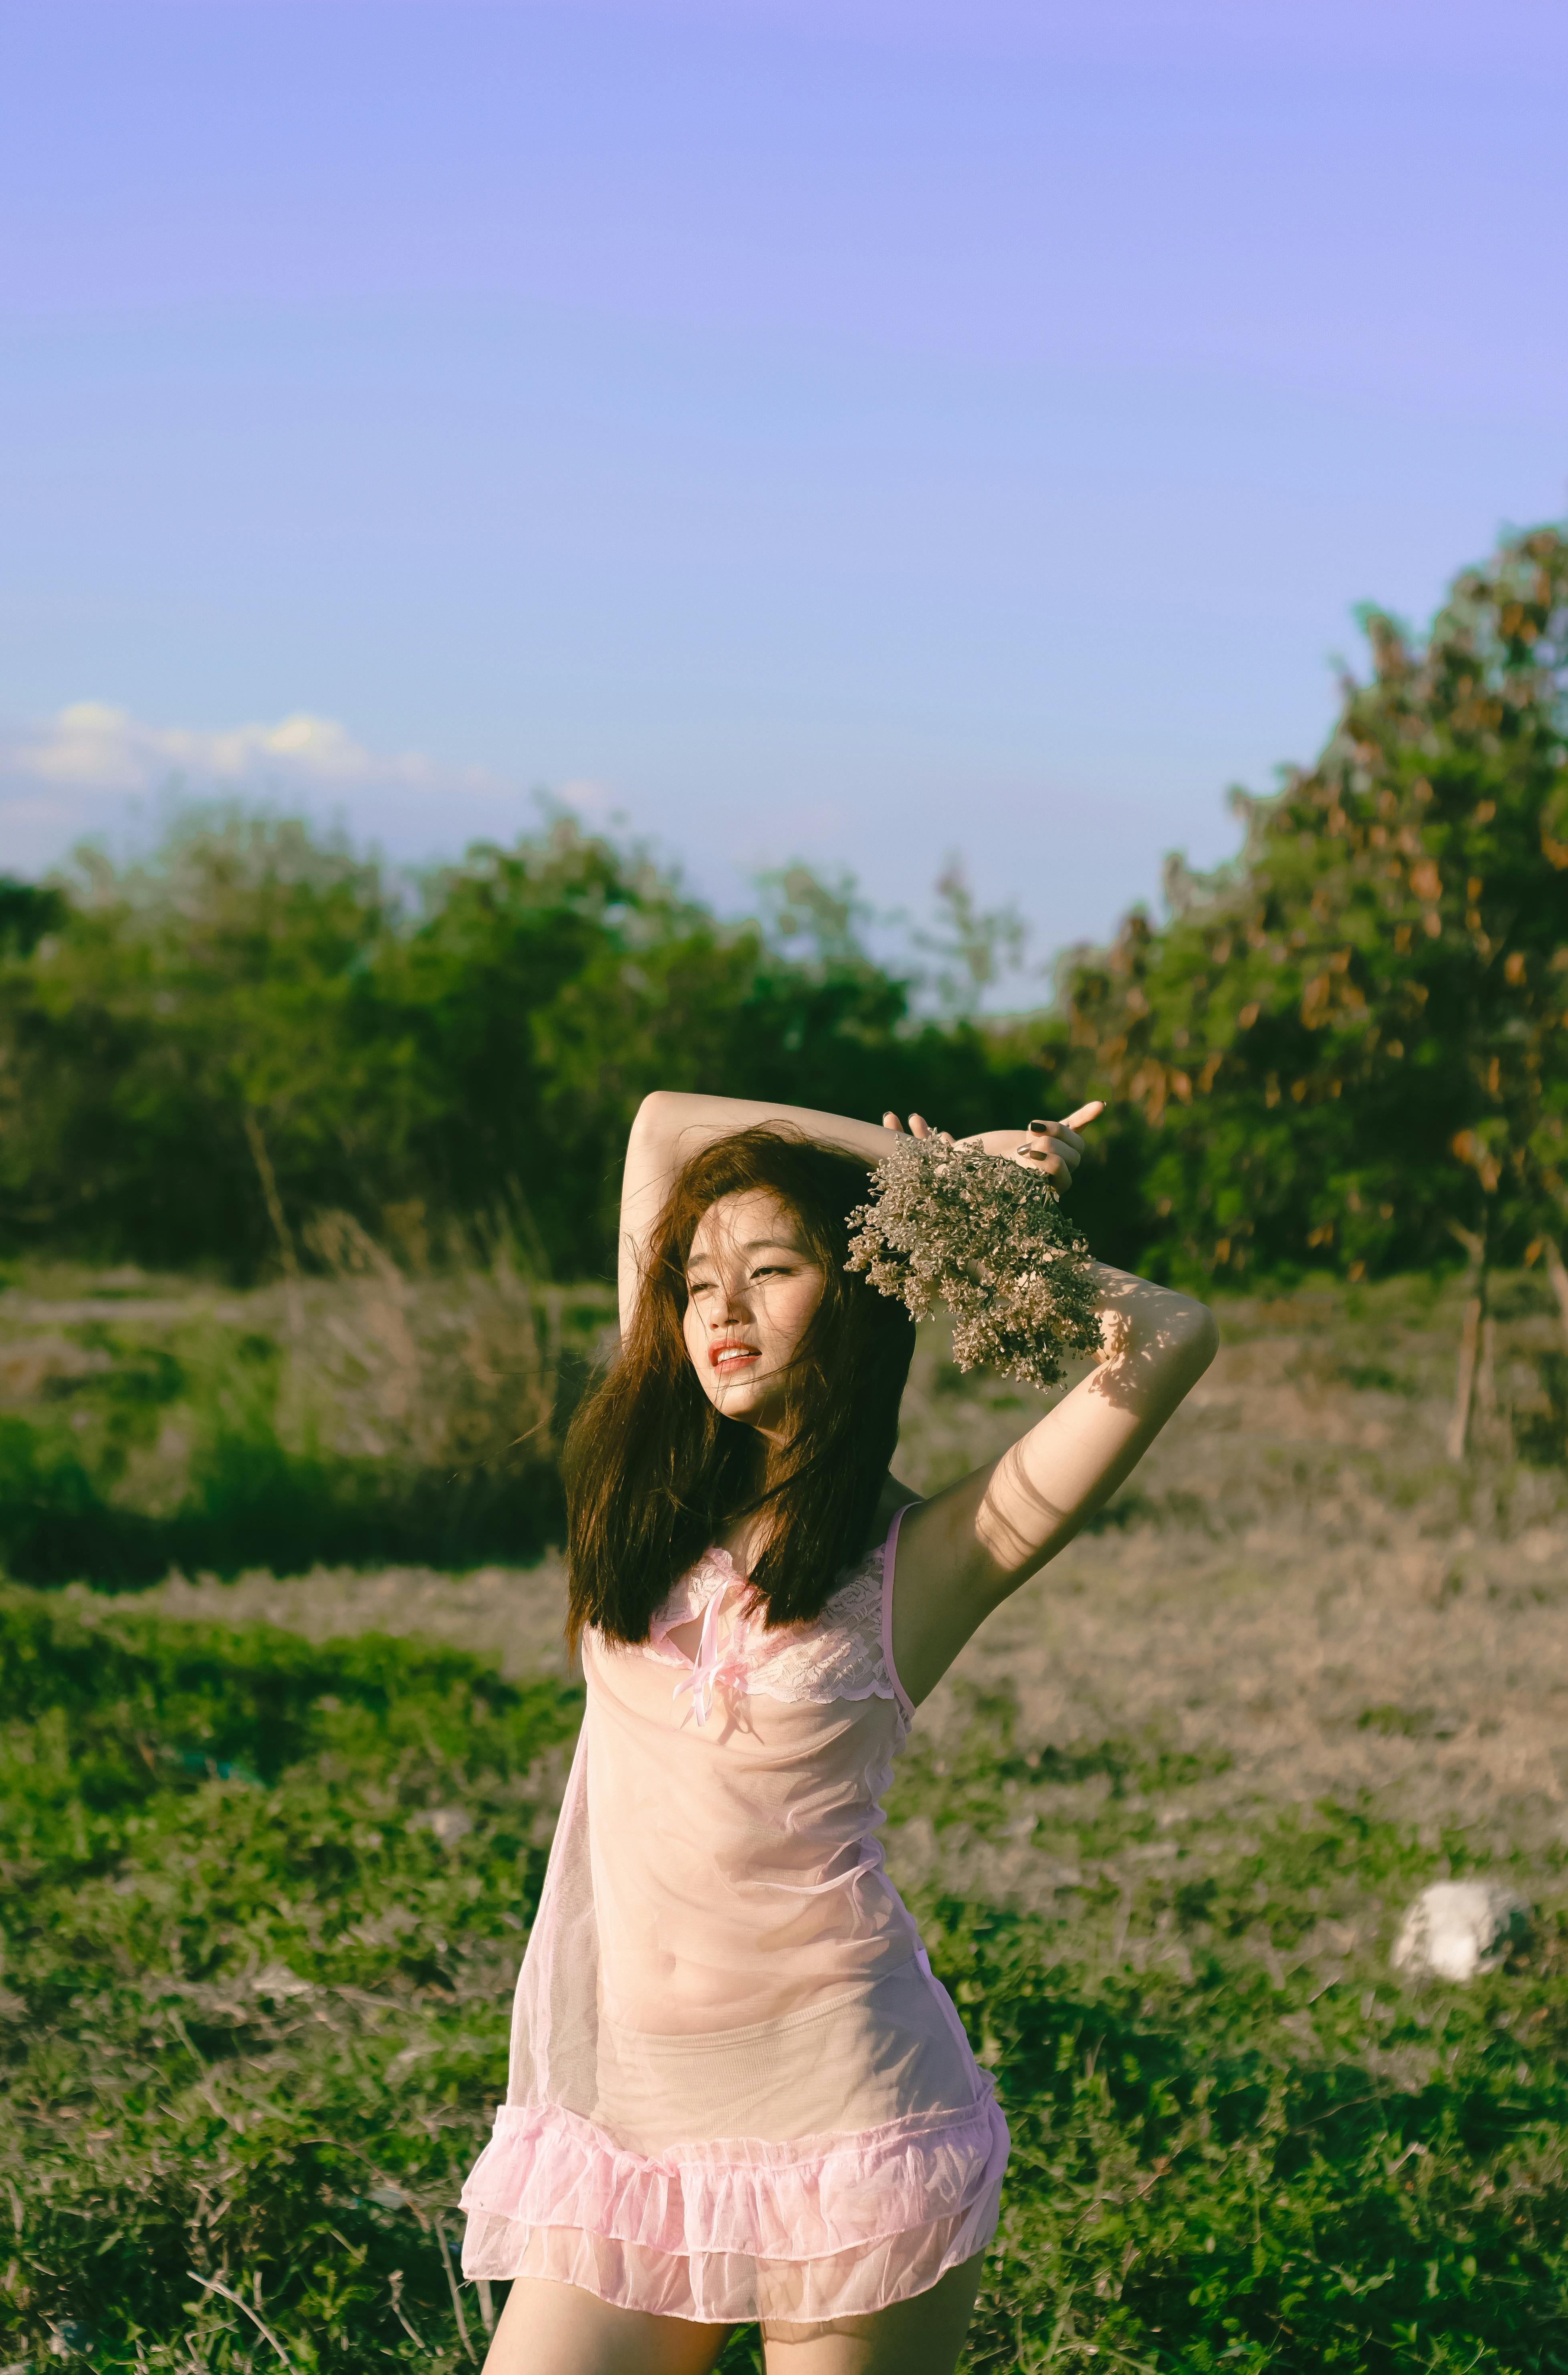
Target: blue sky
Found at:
x=857, y=432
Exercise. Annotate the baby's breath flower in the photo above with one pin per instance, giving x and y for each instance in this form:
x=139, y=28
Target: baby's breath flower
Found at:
x=951, y=1224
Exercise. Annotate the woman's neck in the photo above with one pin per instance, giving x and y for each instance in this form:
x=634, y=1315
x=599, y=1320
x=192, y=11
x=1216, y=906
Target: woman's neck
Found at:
x=746, y=1537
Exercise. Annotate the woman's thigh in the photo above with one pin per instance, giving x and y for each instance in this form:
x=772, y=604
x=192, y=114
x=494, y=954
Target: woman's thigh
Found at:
x=549, y=2329
x=923, y=2336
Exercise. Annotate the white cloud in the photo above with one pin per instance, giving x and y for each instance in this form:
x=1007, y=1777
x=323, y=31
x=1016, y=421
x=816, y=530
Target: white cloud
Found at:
x=94, y=769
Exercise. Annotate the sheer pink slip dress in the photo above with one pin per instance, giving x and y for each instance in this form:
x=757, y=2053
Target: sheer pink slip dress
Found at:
x=736, y=2090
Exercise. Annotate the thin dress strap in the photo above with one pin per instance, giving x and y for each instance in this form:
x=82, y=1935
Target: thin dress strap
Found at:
x=890, y=1552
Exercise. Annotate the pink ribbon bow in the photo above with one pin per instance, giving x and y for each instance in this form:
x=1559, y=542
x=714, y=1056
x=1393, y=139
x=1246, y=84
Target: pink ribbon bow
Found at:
x=715, y=1668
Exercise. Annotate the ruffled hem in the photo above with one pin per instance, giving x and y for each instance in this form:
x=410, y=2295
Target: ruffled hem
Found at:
x=925, y=2186
x=732, y=2288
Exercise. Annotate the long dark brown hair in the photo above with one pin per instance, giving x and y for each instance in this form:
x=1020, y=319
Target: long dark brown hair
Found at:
x=655, y=1475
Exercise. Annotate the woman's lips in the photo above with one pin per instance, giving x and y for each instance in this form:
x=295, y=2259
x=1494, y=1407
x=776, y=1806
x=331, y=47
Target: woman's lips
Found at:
x=731, y=1356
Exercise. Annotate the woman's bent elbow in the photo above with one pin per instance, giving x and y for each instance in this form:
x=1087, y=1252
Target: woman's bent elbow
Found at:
x=1195, y=1335
x=658, y=1106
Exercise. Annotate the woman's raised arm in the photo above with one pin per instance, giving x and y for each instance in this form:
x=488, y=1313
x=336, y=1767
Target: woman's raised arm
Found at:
x=673, y=1124
x=960, y=1553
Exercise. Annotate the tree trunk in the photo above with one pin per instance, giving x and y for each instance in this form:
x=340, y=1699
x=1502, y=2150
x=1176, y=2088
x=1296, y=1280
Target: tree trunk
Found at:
x=293, y=1299
x=1486, y=1374
x=1459, y=1425
x=1472, y=1342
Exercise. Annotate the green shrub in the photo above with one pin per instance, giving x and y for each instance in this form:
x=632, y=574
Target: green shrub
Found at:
x=367, y=1415
x=252, y=1503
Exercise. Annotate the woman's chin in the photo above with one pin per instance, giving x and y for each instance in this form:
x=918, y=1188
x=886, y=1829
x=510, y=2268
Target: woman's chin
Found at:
x=750, y=1400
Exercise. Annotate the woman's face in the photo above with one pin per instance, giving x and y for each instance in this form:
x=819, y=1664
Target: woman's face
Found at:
x=752, y=1286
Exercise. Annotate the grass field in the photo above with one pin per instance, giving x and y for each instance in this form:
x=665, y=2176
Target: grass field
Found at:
x=268, y=1883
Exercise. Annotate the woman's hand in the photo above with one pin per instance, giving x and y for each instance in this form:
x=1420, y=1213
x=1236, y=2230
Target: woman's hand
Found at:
x=1053, y=1147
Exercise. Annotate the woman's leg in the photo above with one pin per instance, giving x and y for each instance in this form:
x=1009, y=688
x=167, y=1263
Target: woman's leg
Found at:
x=921, y=2336
x=549, y=2329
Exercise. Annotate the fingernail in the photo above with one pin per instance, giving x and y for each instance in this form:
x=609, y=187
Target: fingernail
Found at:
x=1039, y=1125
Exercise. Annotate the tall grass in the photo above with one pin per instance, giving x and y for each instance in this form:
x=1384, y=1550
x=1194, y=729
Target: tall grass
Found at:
x=379, y=1409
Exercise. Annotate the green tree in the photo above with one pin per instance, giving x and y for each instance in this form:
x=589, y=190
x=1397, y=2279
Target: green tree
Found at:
x=545, y=988
x=182, y=1022
x=1350, y=1044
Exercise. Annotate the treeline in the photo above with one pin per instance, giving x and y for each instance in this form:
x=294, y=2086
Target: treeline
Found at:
x=1347, y=1049
x=200, y=1052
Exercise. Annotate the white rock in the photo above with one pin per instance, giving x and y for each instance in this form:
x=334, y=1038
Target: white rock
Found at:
x=449, y=1823
x=1457, y=1928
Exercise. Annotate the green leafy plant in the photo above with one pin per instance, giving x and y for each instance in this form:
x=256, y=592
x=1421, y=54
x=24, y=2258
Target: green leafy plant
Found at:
x=267, y=1898
x=264, y=1903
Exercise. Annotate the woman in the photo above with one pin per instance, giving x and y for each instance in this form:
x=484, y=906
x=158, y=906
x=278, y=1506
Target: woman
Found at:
x=737, y=2092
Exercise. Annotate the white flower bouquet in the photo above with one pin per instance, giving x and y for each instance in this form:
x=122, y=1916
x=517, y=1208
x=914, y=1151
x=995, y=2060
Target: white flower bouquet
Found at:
x=948, y=1224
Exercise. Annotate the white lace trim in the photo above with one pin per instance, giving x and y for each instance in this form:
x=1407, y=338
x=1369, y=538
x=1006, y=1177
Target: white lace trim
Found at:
x=837, y=1655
